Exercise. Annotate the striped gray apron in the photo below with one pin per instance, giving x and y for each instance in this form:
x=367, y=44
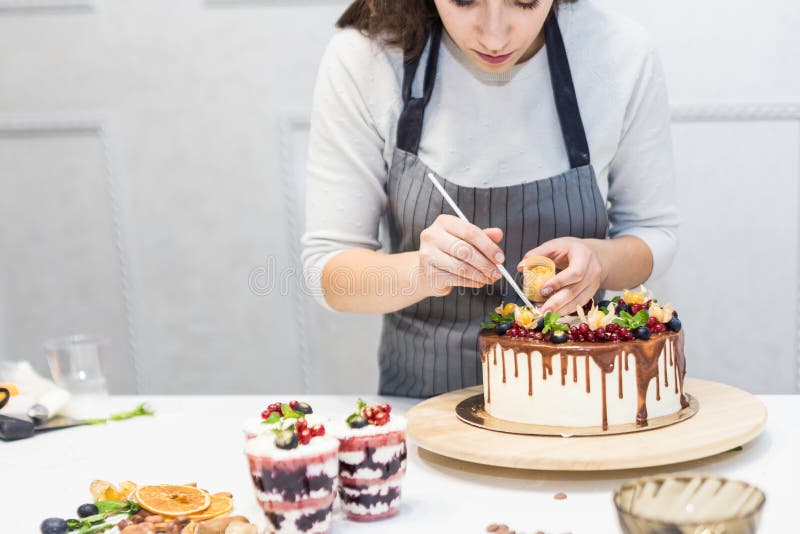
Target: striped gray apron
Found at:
x=432, y=347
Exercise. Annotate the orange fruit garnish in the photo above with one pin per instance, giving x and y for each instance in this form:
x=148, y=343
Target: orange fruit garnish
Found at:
x=103, y=490
x=12, y=388
x=221, y=504
x=169, y=500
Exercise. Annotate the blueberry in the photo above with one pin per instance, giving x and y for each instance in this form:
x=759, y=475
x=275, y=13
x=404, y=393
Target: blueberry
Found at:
x=54, y=525
x=539, y=324
x=604, y=304
x=642, y=333
x=303, y=407
x=358, y=422
x=502, y=328
x=85, y=510
x=286, y=439
x=622, y=307
x=674, y=324
x=558, y=337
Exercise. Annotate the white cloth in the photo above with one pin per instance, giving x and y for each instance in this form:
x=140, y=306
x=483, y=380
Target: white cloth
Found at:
x=492, y=130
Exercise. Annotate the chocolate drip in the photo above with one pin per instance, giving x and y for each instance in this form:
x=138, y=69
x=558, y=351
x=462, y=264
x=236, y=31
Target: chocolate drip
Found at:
x=627, y=354
x=368, y=500
x=306, y=522
x=292, y=484
x=666, y=372
x=588, y=376
x=503, y=357
x=547, y=365
x=516, y=367
x=605, y=361
x=575, y=369
x=619, y=374
x=605, y=404
x=530, y=376
x=680, y=358
x=489, y=375
x=387, y=469
x=564, y=369
x=647, y=369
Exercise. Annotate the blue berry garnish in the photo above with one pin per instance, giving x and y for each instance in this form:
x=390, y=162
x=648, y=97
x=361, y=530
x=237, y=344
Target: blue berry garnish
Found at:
x=502, y=328
x=559, y=337
x=357, y=421
x=85, y=510
x=622, y=307
x=304, y=408
x=286, y=439
x=604, y=304
x=54, y=525
x=674, y=324
x=539, y=324
x=642, y=333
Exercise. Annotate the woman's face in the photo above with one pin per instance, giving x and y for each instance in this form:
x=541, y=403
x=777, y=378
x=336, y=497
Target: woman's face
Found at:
x=495, y=34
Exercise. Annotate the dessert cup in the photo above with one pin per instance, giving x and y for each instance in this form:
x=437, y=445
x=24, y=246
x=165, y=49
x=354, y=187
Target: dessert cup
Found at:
x=295, y=487
x=372, y=464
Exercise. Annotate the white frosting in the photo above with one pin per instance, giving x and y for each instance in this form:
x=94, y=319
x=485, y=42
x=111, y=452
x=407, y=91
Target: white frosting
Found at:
x=256, y=427
x=554, y=404
x=265, y=446
x=342, y=430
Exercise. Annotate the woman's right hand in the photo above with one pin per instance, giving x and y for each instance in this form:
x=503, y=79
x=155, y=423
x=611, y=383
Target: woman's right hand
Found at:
x=453, y=253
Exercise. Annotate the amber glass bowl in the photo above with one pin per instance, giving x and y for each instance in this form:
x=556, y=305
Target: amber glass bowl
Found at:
x=688, y=505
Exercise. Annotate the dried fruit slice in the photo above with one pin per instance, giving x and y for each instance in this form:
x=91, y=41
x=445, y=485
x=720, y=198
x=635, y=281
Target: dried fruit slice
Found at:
x=170, y=500
x=103, y=490
x=13, y=390
x=221, y=504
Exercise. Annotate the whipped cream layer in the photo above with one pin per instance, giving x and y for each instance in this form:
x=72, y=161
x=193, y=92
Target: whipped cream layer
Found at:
x=256, y=427
x=583, y=384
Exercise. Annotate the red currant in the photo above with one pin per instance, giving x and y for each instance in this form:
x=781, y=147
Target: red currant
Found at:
x=381, y=418
x=584, y=328
x=369, y=412
x=274, y=407
x=580, y=337
x=651, y=323
x=600, y=331
x=547, y=336
x=301, y=424
x=317, y=430
x=612, y=327
x=613, y=337
x=658, y=328
x=265, y=414
x=623, y=331
x=574, y=330
x=531, y=334
x=293, y=404
x=304, y=436
x=386, y=408
x=636, y=308
x=590, y=337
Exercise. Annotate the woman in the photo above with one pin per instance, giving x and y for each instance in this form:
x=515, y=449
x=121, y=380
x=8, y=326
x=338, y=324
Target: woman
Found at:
x=547, y=124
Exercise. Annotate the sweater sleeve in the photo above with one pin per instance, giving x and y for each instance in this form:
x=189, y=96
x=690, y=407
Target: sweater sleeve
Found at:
x=641, y=194
x=346, y=169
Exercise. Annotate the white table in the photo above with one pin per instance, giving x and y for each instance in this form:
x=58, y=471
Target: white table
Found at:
x=198, y=439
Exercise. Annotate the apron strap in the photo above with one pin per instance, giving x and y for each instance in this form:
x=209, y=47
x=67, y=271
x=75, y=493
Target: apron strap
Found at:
x=564, y=93
x=409, y=125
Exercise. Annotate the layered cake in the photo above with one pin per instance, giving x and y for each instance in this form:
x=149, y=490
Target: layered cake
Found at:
x=616, y=362
x=294, y=468
x=372, y=462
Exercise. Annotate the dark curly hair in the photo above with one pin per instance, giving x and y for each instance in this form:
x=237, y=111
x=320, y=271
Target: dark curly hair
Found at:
x=399, y=23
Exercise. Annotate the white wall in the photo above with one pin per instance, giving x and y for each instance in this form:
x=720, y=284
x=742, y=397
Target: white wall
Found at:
x=151, y=177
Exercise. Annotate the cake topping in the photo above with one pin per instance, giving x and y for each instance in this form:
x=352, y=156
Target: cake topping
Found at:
x=377, y=415
x=634, y=315
x=537, y=270
x=290, y=425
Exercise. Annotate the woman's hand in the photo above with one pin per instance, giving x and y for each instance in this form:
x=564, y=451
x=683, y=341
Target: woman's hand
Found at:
x=453, y=252
x=581, y=275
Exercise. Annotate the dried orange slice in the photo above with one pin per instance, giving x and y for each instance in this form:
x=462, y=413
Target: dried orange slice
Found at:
x=13, y=390
x=103, y=490
x=169, y=500
x=221, y=504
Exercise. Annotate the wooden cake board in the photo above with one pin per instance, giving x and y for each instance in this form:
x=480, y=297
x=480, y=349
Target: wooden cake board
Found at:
x=728, y=417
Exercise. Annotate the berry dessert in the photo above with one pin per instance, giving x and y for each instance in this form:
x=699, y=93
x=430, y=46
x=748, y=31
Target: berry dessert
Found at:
x=271, y=418
x=616, y=362
x=294, y=470
x=372, y=462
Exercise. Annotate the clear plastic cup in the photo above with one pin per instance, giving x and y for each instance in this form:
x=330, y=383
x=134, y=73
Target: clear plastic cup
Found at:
x=295, y=488
x=75, y=363
x=372, y=464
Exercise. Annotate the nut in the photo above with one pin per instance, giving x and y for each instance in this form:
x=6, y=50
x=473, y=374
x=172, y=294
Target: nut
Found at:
x=139, y=528
x=154, y=519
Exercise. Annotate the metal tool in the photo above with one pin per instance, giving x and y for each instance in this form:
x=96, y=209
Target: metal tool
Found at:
x=500, y=266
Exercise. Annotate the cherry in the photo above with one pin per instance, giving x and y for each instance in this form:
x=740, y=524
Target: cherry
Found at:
x=613, y=337
x=636, y=308
x=579, y=337
x=539, y=336
x=600, y=331
x=658, y=328
x=266, y=413
x=304, y=436
x=547, y=336
x=623, y=331
x=574, y=330
x=531, y=334
x=590, y=337
x=584, y=328
x=386, y=408
x=293, y=404
x=612, y=327
x=369, y=412
x=381, y=418
x=301, y=424
x=652, y=322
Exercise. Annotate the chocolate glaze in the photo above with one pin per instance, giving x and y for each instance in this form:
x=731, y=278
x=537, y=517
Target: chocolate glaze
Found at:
x=292, y=484
x=387, y=469
x=646, y=354
x=367, y=500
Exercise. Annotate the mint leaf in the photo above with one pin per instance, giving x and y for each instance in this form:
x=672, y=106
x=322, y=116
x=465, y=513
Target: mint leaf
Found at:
x=551, y=323
x=361, y=405
x=640, y=319
x=273, y=418
x=289, y=413
x=495, y=317
x=484, y=324
x=109, y=506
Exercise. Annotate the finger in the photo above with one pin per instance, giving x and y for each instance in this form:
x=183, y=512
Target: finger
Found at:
x=556, y=249
x=444, y=278
x=475, y=237
x=465, y=252
x=563, y=304
x=495, y=234
x=445, y=262
x=568, y=277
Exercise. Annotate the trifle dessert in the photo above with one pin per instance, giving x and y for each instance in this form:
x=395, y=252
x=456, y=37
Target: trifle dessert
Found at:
x=372, y=461
x=294, y=469
x=615, y=362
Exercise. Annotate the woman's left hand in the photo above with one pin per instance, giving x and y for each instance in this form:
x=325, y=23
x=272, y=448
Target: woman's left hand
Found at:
x=581, y=273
